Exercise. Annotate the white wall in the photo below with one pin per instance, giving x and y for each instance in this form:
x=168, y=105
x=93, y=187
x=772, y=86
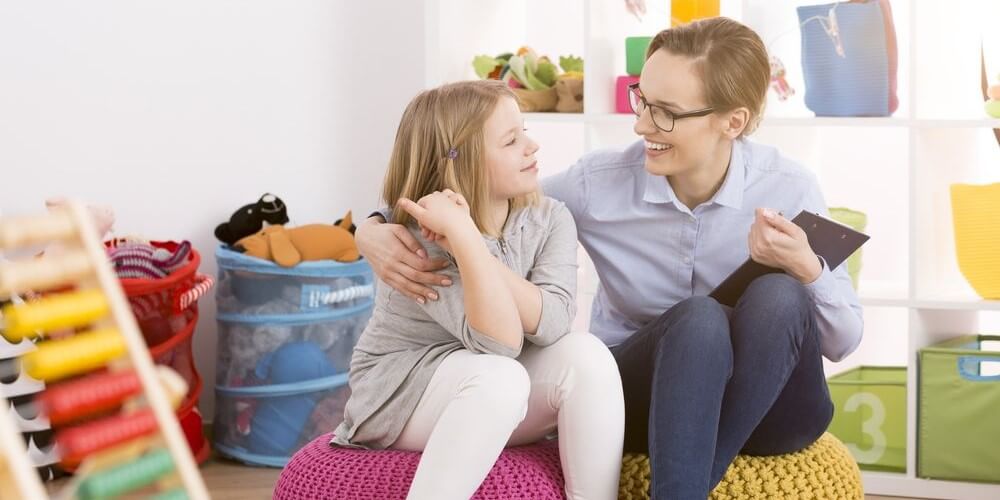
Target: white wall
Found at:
x=176, y=113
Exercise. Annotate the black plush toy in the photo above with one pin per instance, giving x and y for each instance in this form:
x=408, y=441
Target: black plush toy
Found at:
x=251, y=218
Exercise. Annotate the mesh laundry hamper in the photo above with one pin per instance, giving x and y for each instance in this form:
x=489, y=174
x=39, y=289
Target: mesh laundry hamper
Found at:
x=166, y=310
x=286, y=336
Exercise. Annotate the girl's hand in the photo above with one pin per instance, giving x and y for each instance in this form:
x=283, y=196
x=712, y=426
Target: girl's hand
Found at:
x=438, y=238
x=440, y=214
x=777, y=242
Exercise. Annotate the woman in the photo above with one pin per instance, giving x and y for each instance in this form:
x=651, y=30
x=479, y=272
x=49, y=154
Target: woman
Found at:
x=665, y=221
x=452, y=377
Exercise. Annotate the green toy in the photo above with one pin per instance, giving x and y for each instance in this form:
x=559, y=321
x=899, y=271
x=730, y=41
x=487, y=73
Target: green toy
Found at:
x=571, y=65
x=635, y=53
x=536, y=80
x=527, y=69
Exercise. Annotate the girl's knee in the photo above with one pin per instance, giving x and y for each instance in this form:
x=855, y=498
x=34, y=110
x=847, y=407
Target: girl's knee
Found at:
x=585, y=350
x=501, y=381
x=588, y=363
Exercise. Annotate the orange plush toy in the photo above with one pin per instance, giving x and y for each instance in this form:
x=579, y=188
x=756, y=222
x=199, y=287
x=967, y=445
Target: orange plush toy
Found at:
x=288, y=247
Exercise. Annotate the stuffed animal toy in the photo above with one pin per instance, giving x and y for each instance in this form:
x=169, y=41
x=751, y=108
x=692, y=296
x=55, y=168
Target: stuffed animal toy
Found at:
x=278, y=421
x=336, y=339
x=569, y=85
x=249, y=219
x=351, y=228
x=246, y=346
x=779, y=84
x=536, y=80
x=289, y=247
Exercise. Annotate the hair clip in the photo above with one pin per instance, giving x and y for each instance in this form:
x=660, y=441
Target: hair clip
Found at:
x=452, y=153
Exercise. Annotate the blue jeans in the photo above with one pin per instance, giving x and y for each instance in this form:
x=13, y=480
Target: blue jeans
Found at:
x=701, y=387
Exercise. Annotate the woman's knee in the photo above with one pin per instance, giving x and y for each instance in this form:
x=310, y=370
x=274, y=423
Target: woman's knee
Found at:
x=698, y=324
x=778, y=295
x=776, y=311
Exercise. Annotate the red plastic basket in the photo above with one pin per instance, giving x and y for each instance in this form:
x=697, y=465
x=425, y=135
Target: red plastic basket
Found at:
x=159, y=304
x=176, y=353
x=166, y=310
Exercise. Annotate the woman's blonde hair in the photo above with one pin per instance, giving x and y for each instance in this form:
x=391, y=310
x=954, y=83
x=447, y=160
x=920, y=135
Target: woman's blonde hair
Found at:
x=447, y=119
x=729, y=57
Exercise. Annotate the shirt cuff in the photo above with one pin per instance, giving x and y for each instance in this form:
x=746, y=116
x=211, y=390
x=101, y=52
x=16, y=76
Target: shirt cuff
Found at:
x=385, y=212
x=553, y=322
x=488, y=345
x=824, y=288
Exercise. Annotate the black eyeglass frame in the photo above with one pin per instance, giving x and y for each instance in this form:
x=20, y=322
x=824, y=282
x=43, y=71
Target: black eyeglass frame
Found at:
x=634, y=89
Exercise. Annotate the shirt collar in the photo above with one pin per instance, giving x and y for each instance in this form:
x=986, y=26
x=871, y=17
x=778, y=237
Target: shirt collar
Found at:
x=730, y=194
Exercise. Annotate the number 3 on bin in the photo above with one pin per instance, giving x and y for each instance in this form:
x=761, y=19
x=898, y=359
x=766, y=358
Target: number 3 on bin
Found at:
x=871, y=427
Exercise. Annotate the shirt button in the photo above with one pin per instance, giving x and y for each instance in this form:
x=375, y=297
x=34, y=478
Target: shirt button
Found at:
x=687, y=260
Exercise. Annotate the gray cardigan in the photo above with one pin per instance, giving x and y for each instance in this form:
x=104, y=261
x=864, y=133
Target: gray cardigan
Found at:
x=405, y=341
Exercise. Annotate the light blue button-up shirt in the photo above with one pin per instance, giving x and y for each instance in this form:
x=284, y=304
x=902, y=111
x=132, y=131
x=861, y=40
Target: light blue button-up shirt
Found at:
x=651, y=252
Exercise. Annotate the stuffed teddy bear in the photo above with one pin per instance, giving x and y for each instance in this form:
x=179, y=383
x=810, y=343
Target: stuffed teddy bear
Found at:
x=289, y=247
x=251, y=218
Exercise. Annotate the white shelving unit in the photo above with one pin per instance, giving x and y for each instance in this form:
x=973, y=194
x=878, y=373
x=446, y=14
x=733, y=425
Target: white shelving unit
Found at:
x=895, y=169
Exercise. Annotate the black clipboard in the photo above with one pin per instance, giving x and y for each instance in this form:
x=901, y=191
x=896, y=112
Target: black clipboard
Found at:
x=829, y=239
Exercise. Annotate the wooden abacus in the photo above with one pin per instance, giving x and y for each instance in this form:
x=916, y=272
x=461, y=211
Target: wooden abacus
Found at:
x=111, y=408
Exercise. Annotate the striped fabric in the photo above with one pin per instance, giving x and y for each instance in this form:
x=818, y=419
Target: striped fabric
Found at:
x=140, y=260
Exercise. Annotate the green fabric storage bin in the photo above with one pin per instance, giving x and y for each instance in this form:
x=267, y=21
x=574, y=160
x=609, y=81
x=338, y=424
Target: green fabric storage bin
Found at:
x=958, y=409
x=857, y=221
x=870, y=415
x=635, y=53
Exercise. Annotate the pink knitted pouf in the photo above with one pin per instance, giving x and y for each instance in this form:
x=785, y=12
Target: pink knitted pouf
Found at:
x=321, y=471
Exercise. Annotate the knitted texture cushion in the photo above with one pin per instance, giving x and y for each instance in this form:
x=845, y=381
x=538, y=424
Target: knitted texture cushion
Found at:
x=824, y=470
x=319, y=470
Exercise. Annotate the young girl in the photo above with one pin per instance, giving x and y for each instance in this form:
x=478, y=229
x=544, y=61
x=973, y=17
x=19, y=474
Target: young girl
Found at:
x=453, y=377
x=665, y=221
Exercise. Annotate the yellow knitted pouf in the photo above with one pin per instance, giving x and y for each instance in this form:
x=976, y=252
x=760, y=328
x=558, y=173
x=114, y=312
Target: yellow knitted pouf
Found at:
x=824, y=470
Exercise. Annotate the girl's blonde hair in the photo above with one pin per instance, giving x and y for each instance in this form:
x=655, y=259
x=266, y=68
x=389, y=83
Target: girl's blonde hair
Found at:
x=729, y=57
x=447, y=119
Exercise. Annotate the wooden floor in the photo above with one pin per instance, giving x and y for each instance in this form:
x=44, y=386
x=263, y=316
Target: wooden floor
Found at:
x=230, y=481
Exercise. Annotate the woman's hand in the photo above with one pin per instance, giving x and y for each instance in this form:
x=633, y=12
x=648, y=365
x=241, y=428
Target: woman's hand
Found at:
x=777, y=242
x=398, y=259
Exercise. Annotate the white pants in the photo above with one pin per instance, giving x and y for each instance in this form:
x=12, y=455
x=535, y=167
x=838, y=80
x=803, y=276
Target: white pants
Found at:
x=478, y=403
